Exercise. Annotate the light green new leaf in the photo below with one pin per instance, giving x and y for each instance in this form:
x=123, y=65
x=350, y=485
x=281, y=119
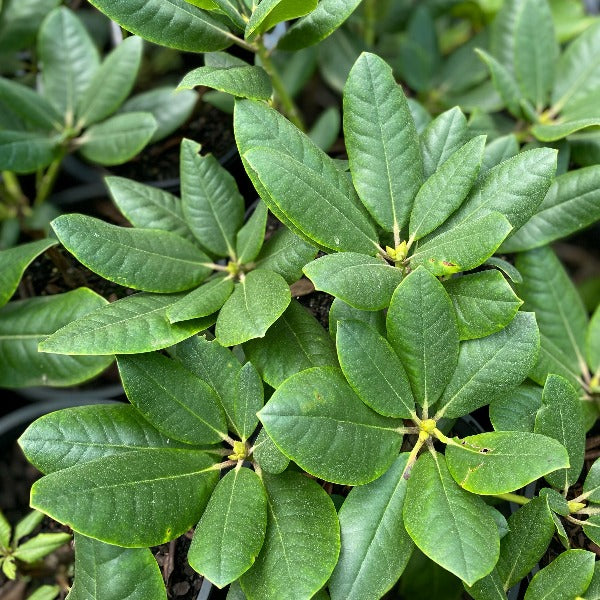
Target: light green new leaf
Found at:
x=561, y=418
x=231, y=531
x=316, y=419
x=270, y=12
x=566, y=577
x=572, y=202
x=381, y=141
x=374, y=370
x=446, y=188
x=148, y=207
x=249, y=399
x=71, y=436
x=295, y=342
x=592, y=342
x=118, y=139
x=551, y=132
x=25, y=152
x=484, y=303
x=39, y=546
x=172, y=23
x=46, y=592
x=490, y=367
x=27, y=524
x=364, y=282
x=13, y=263
x=317, y=25
x=203, y=301
x=251, y=236
x=516, y=410
x=106, y=572
x=530, y=530
x=421, y=326
x=130, y=325
x=69, y=60
x=143, y=259
x=268, y=456
x=212, y=205
x=503, y=461
x=375, y=546
x=452, y=527
x=256, y=303
x=24, y=323
x=175, y=401
x=504, y=83
x=32, y=107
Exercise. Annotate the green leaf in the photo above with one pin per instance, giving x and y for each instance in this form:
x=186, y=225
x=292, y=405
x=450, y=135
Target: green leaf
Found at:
x=593, y=591
x=131, y=325
x=373, y=370
x=556, y=501
x=143, y=259
x=270, y=12
x=20, y=22
x=503, y=461
x=566, y=577
x=339, y=311
x=548, y=291
x=557, y=131
x=490, y=367
x=592, y=342
x=148, y=207
x=46, y=592
x=231, y=531
x=81, y=434
x=498, y=151
x=302, y=541
x=362, y=281
x=446, y=189
x=381, y=141
x=591, y=485
x=249, y=399
x=24, y=152
x=375, y=546
x=326, y=129
x=5, y=532
x=256, y=303
x=106, y=572
x=231, y=9
x=422, y=329
x=315, y=418
x=13, y=263
x=462, y=246
x=504, y=82
x=251, y=236
x=126, y=495
x=172, y=23
x=487, y=588
x=295, y=342
x=27, y=524
x=530, y=530
x=69, y=58
x=591, y=528
x=317, y=25
x=507, y=268
x=268, y=456
x=39, y=546
x=516, y=410
x=484, y=303
x=451, y=526
x=244, y=81
x=561, y=417
x=24, y=323
x=175, y=401
x=212, y=205
x=572, y=202
x=203, y=301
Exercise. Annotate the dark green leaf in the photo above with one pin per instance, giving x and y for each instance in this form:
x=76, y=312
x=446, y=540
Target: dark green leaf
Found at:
x=251, y=236
x=203, y=301
x=497, y=151
x=504, y=82
x=24, y=152
x=268, y=456
x=516, y=410
x=592, y=342
x=249, y=399
x=488, y=588
x=507, y=268
x=339, y=311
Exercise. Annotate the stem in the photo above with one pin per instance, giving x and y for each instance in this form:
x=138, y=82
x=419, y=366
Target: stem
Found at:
x=48, y=180
x=513, y=498
x=13, y=189
x=369, y=31
x=412, y=457
x=289, y=108
x=224, y=465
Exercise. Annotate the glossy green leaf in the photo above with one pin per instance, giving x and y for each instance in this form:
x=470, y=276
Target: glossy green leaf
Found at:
x=268, y=456
x=422, y=329
x=172, y=23
x=374, y=370
x=231, y=531
x=451, y=526
x=25, y=323
x=561, y=418
x=530, y=530
x=175, y=401
x=381, y=141
x=118, y=139
x=13, y=263
x=203, y=301
x=504, y=82
x=69, y=58
x=484, y=303
x=270, y=12
x=566, y=577
x=446, y=188
x=143, y=259
x=362, y=281
x=249, y=399
x=105, y=572
x=316, y=419
x=302, y=541
x=212, y=205
x=375, y=546
x=339, y=311
x=256, y=303
x=251, y=236
x=243, y=81
x=592, y=342
x=71, y=436
x=295, y=342
x=24, y=152
x=131, y=325
x=503, y=461
x=126, y=494
x=516, y=410
x=572, y=202
x=490, y=367
x=111, y=83
x=40, y=546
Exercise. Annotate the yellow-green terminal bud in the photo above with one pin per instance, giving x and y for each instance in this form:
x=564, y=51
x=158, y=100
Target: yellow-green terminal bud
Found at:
x=595, y=383
x=240, y=451
x=575, y=506
x=233, y=268
x=428, y=425
x=397, y=254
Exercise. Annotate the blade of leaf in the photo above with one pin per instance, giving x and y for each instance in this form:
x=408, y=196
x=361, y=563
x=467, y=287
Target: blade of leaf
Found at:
x=203, y=301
